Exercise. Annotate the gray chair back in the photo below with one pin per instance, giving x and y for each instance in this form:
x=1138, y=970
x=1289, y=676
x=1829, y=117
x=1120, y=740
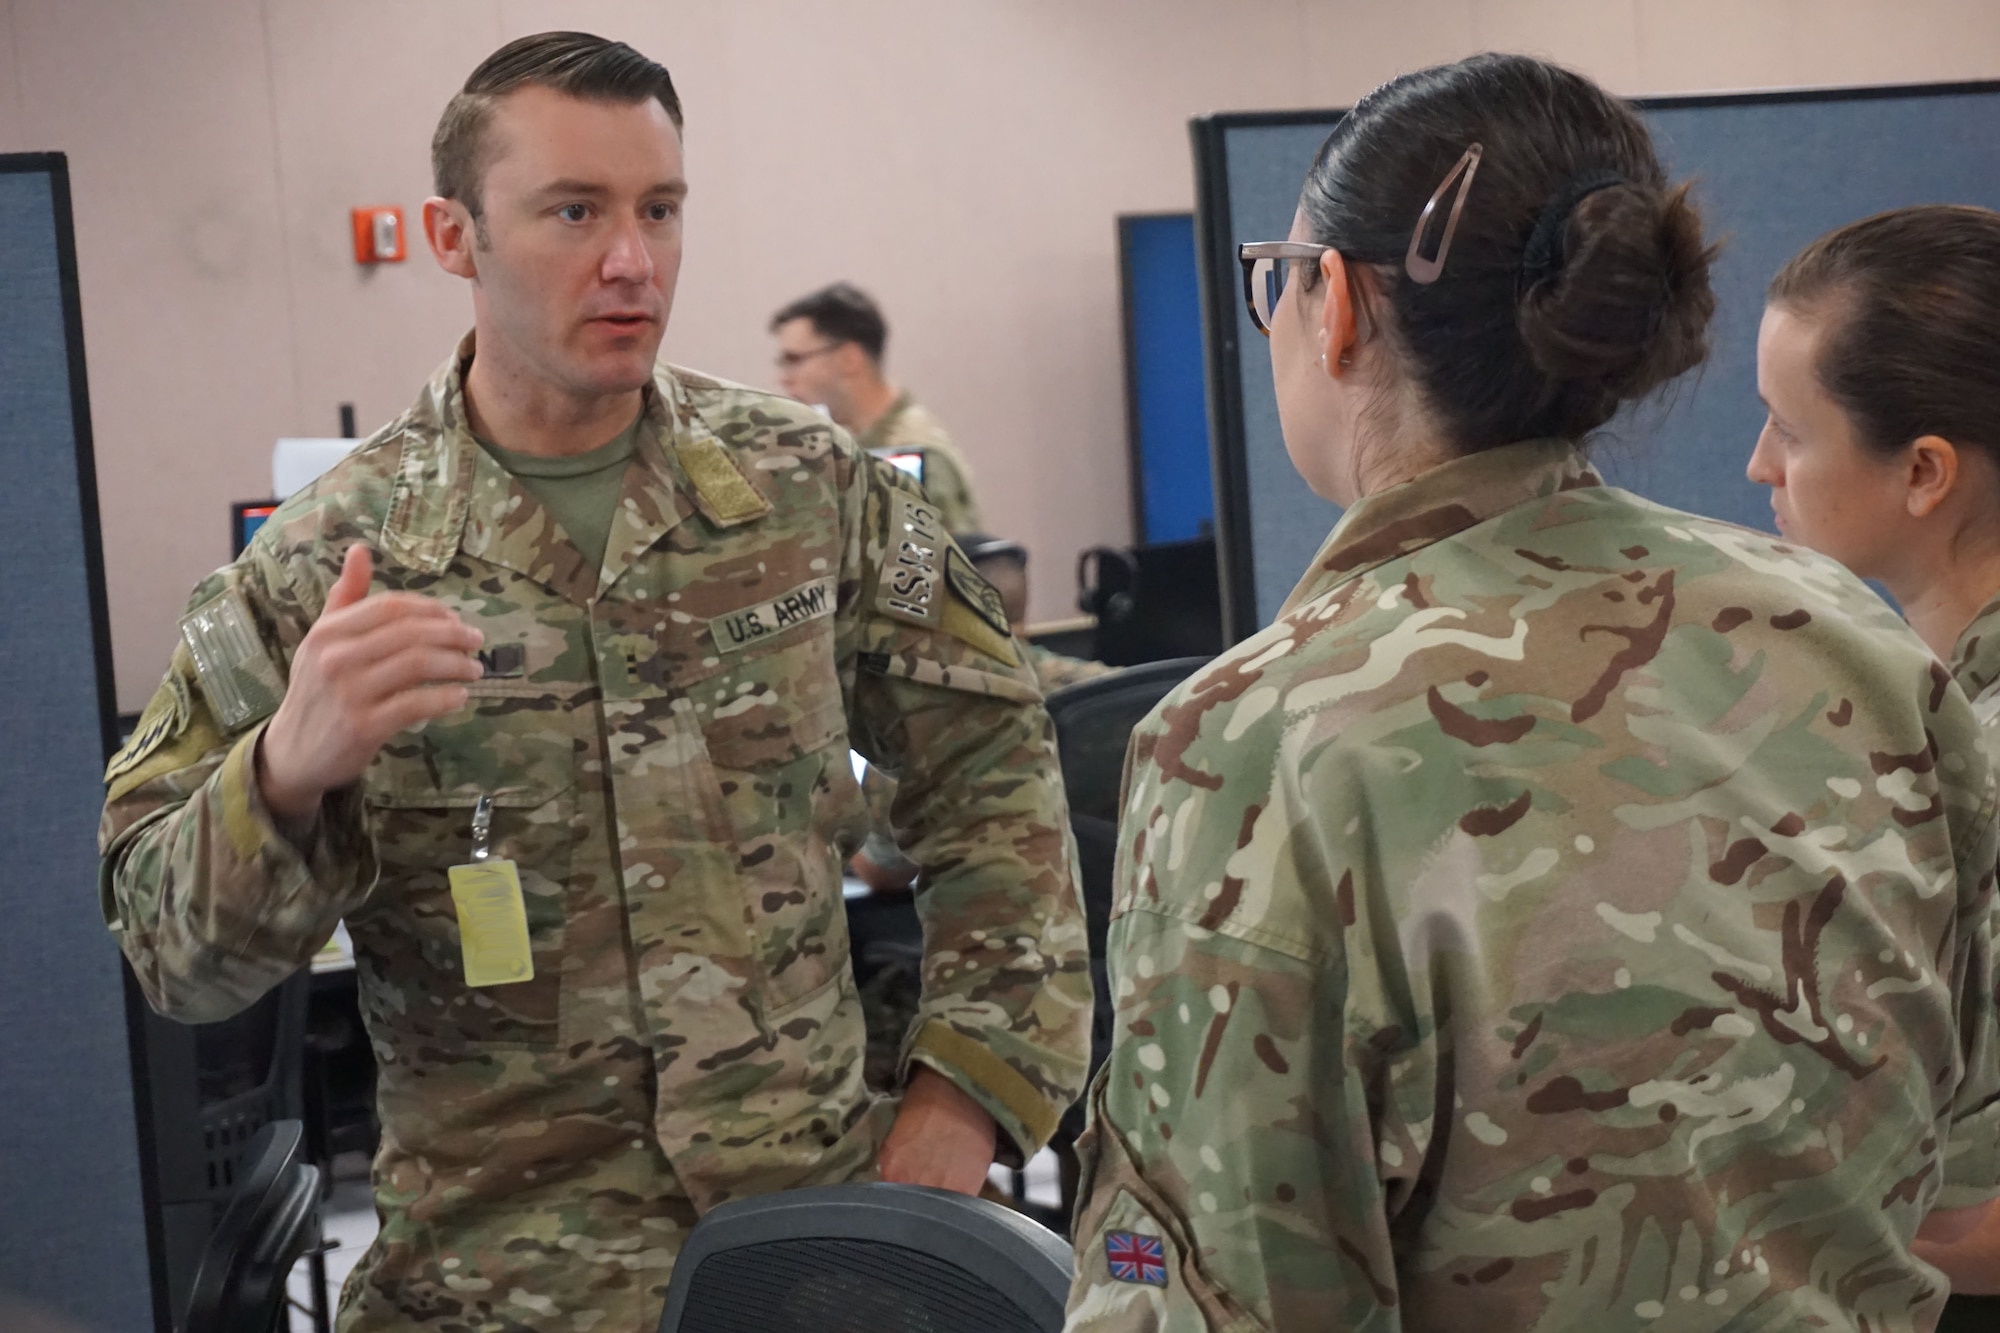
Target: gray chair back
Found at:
x=868, y=1259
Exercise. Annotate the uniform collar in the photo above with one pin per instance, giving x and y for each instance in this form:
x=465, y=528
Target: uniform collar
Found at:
x=1975, y=661
x=1438, y=504
x=878, y=434
x=451, y=496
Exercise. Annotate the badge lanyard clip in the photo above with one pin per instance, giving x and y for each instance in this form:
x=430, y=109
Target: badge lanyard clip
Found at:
x=482, y=829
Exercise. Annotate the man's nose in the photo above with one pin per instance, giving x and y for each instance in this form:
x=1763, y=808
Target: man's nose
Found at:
x=628, y=259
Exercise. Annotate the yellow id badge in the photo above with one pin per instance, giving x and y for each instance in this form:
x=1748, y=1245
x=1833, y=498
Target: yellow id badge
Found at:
x=492, y=923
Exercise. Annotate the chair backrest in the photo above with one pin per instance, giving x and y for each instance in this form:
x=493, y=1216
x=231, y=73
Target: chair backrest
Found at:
x=868, y=1259
x=210, y=1088
x=271, y=1221
x=1094, y=721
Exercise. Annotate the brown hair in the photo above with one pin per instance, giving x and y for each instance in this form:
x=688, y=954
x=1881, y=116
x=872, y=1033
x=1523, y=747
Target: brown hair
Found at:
x=576, y=64
x=1577, y=277
x=842, y=312
x=1911, y=298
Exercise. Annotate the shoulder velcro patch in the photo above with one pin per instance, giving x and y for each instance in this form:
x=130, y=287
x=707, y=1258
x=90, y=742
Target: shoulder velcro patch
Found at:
x=974, y=613
x=980, y=595
x=235, y=669
x=173, y=733
x=720, y=486
x=913, y=559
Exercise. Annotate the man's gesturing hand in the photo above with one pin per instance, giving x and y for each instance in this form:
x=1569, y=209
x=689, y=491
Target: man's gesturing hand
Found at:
x=368, y=668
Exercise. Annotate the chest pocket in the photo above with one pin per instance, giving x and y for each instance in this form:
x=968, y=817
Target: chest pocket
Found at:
x=518, y=745
x=776, y=731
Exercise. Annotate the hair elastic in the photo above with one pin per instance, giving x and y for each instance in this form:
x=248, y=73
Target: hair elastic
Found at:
x=1543, y=254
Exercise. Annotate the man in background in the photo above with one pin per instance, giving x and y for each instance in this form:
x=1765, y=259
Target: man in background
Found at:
x=830, y=348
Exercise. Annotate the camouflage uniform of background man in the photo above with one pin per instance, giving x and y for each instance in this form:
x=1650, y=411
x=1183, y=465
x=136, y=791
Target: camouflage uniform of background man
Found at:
x=830, y=350
x=662, y=732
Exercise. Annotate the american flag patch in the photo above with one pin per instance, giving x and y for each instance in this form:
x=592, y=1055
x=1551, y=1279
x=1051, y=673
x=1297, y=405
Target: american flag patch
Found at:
x=1135, y=1258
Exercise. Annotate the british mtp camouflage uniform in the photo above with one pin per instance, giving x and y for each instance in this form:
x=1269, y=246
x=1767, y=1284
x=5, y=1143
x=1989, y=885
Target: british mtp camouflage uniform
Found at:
x=1570, y=914
x=909, y=427
x=1975, y=665
x=665, y=740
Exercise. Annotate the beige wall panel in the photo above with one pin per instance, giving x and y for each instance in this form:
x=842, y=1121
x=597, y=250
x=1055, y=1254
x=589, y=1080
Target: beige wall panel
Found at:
x=354, y=114
x=165, y=113
x=14, y=136
x=1356, y=48
x=1875, y=41
x=1600, y=39
x=1693, y=46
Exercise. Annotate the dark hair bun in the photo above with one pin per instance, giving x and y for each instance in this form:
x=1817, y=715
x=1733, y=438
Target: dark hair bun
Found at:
x=1577, y=278
x=1628, y=306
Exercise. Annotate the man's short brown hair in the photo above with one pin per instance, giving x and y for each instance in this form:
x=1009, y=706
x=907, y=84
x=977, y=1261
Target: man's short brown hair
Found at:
x=576, y=64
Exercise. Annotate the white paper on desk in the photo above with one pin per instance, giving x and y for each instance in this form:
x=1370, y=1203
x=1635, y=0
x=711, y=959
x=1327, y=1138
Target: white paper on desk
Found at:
x=297, y=463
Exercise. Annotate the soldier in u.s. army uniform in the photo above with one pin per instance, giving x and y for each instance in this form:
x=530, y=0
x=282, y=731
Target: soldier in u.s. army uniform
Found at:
x=419, y=675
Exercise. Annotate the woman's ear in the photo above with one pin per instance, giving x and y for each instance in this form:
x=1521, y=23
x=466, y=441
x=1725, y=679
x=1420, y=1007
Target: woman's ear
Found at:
x=1930, y=473
x=1337, y=315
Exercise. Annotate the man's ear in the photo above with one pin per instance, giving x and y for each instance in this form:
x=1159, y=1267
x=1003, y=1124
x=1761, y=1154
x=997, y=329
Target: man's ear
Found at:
x=449, y=228
x=1337, y=315
x=1931, y=470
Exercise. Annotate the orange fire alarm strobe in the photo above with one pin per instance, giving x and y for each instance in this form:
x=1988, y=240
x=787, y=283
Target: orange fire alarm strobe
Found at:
x=378, y=235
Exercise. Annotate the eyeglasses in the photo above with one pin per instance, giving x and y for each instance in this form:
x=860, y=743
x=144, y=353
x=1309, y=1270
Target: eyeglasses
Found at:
x=1266, y=266
x=1265, y=262
x=789, y=360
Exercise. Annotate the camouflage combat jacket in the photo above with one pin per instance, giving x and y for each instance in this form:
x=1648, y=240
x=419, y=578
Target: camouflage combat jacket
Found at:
x=909, y=427
x=1570, y=914
x=1975, y=665
x=665, y=741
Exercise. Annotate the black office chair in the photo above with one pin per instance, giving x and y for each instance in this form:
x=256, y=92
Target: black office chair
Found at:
x=868, y=1259
x=1094, y=721
x=213, y=1087
x=272, y=1221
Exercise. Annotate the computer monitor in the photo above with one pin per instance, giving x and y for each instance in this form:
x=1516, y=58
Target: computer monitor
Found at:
x=245, y=517
x=909, y=460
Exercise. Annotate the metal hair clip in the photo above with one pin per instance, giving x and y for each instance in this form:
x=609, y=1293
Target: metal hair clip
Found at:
x=1427, y=271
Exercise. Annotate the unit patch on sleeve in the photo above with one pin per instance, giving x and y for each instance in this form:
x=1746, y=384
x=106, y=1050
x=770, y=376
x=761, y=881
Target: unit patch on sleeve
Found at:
x=912, y=562
x=1135, y=1258
x=166, y=716
x=980, y=595
x=236, y=672
x=740, y=629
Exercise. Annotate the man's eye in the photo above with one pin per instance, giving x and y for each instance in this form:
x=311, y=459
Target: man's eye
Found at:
x=573, y=212
x=663, y=212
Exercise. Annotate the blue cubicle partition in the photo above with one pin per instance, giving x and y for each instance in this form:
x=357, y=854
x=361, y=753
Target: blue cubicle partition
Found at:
x=73, y=1236
x=1166, y=396
x=1772, y=171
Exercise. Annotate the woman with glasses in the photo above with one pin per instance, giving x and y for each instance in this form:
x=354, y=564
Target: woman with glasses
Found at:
x=1569, y=913
x=1881, y=447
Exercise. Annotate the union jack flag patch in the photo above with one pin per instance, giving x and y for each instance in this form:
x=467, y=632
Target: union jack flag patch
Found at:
x=1136, y=1258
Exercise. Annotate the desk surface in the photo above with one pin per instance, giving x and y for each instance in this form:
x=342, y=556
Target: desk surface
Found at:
x=337, y=954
